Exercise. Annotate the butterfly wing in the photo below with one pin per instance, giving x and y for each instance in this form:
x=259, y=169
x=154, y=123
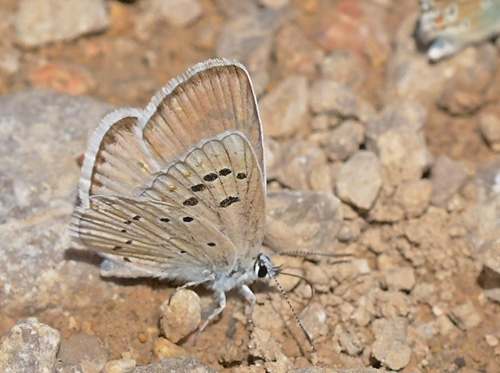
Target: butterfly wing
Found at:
x=221, y=180
x=450, y=24
x=129, y=145
x=116, y=162
x=210, y=98
x=203, y=213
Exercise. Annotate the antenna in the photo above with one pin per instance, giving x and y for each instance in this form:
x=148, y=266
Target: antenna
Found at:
x=309, y=253
x=303, y=253
x=313, y=291
x=308, y=337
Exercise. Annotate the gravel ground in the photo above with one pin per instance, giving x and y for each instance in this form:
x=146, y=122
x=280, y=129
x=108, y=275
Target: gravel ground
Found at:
x=371, y=150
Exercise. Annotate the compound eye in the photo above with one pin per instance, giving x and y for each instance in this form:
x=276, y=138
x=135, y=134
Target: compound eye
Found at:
x=262, y=272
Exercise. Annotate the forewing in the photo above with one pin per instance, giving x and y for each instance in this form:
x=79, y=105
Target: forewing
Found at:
x=211, y=98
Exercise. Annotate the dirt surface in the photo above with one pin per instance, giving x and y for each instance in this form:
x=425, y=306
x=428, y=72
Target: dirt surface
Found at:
x=419, y=267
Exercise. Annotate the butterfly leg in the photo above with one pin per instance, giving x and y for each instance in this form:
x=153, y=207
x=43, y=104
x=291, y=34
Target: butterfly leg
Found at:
x=220, y=297
x=190, y=284
x=250, y=298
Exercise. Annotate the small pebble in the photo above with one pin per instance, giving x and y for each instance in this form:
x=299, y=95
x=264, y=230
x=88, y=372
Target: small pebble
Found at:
x=390, y=347
x=181, y=315
x=400, y=279
x=359, y=180
x=163, y=348
x=120, y=366
x=465, y=316
x=491, y=340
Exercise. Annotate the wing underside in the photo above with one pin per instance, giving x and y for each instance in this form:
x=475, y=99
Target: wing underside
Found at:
x=200, y=213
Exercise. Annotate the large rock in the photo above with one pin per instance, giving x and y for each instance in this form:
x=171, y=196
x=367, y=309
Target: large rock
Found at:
x=186, y=364
x=248, y=38
x=42, y=134
x=284, y=110
x=307, y=221
x=42, y=22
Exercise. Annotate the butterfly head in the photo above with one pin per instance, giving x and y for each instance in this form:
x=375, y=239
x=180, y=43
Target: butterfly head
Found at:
x=263, y=268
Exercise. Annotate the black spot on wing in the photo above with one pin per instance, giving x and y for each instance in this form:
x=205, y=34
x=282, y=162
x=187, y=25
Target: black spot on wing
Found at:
x=241, y=176
x=228, y=201
x=198, y=187
x=187, y=219
x=224, y=172
x=210, y=177
x=193, y=201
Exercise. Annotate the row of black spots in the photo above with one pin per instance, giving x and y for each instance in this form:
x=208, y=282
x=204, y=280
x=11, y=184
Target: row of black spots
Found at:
x=116, y=248
x=186, y=219
x=213, y=176
x=229, y=201
x=136, y=218
x=211, y=244
x=164, y=220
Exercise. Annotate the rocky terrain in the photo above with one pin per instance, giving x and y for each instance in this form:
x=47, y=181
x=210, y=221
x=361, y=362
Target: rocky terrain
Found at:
x=371, y=150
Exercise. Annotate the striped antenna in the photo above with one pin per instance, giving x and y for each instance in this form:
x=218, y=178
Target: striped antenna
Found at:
x=272, y=273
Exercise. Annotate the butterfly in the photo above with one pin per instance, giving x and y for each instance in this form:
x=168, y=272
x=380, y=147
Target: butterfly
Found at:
x=450, y=25
x=177, y=191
